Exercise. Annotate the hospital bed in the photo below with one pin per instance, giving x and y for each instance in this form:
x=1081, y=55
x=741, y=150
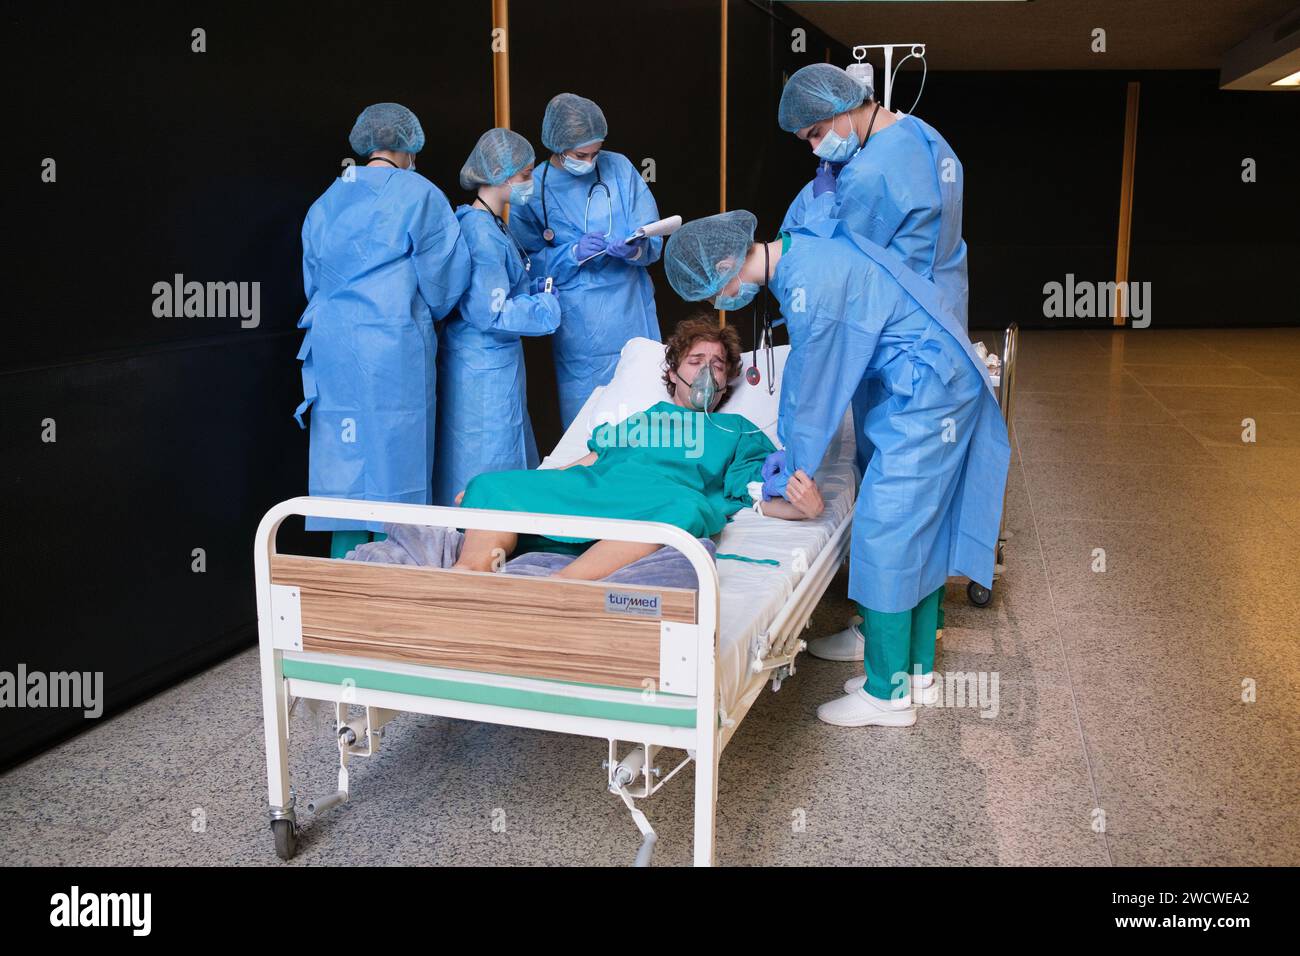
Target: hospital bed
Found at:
x=646, y=669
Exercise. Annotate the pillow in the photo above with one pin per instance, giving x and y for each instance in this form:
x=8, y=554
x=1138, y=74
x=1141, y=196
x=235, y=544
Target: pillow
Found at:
x=638, y=383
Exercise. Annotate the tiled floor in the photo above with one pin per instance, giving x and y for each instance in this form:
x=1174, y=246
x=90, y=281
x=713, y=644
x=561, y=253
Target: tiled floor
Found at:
x=1120, y=690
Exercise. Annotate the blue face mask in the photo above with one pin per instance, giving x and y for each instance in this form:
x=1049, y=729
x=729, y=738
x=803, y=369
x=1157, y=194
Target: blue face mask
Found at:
x=835, y=148
x=577, y=166
x=729, y=303
x=520, y=193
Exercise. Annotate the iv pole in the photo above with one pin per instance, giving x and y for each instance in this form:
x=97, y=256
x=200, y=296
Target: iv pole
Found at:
x=860, y=54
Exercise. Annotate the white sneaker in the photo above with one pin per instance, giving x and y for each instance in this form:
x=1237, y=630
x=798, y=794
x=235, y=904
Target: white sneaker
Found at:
x=925, y=692
x=847, y=645
x=860, y=709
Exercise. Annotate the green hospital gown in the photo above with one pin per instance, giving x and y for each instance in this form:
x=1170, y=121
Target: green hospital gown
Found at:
x=666, y=464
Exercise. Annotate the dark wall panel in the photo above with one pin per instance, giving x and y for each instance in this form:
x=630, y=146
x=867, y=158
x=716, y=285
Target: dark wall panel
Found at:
x=1042, y=159
x=766, y=166
x=1217, y=250
x=173, y=433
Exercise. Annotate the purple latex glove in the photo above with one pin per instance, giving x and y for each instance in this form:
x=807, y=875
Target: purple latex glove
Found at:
x=538, y=286
x=626, y=250
x=774, y=481
x=591, y=244
x=824, y=181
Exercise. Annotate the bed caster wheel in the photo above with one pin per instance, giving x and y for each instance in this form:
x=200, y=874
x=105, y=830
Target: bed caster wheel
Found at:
x=979, y=595
x=286, y=838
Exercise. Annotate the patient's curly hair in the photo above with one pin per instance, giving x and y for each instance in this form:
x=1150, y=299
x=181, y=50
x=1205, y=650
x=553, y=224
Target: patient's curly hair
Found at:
x=703, y=326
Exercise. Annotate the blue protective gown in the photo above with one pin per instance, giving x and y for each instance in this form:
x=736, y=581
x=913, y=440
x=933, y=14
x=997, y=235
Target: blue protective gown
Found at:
x=483, y=422
x=382, y=260
x=931, y=497
x=903, y=191
x=607, y=301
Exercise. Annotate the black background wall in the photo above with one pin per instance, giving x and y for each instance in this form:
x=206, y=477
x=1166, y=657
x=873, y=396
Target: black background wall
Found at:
x=176, y=434
x=1218, y=251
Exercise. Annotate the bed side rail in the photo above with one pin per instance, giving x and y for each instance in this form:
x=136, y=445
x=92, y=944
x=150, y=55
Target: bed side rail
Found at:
x=582, y=631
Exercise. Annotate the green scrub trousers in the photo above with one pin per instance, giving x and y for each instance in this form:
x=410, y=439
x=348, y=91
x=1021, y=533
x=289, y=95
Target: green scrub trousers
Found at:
x=902, y=642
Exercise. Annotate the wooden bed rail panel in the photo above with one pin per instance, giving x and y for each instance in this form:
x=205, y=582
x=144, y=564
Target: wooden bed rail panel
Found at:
x=499, y=623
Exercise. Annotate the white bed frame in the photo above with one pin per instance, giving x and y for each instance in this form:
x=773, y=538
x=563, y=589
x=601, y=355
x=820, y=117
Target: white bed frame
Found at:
x=688, y=664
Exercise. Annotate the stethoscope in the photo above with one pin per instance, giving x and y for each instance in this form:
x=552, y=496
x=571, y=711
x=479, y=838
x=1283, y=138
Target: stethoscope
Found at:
x=549, y=234
x=385, y=159
x=752, y=375
x=501, y=224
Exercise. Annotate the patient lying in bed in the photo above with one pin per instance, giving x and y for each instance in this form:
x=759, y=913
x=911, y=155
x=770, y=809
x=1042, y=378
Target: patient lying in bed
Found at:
x=669, y=463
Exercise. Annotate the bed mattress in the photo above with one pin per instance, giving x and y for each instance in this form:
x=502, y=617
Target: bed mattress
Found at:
x=753, y=594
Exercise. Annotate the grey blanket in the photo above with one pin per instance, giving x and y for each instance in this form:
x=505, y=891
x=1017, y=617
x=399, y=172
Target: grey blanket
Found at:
x=433, y=547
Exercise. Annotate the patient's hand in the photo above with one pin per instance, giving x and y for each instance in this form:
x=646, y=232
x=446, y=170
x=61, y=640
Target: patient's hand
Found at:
x=585, y=460
x=803, y=499
x=459, y=497
x=802, y=492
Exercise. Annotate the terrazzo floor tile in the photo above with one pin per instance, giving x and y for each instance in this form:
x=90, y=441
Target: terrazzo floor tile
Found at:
x=1108, y=442
x=1058, y=380
x=1139, y=409
x=1190, y=772
x=1162, y=494
x=1236, y=400
x=1202, y=375
x=1270, y=429
x=1158, y=571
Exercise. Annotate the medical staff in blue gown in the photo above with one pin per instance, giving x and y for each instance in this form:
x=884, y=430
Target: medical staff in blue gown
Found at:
x=382, y=260
x=931, y=497
x=587, y=203
x=890, y=178
x=483, y=422
x=899, y=183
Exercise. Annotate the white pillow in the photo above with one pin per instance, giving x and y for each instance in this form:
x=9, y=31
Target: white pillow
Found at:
x=638, y=384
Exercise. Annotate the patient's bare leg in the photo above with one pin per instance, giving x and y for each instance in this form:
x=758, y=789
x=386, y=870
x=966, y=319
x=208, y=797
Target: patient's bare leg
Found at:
x=485, y=550
x=604, y=558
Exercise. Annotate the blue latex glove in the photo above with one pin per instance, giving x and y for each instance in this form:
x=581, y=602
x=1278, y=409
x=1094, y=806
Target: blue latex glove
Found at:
x=538, y=286
x=824, y=181
x=626, y=250
x=773, y=464
x=774, y=481
x=591, y=244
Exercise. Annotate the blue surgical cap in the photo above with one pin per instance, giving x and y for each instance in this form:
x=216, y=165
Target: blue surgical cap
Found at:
x=817, y=92
x=572, y=121
x=386, y=126
x=704, y=255
x=498, y=155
